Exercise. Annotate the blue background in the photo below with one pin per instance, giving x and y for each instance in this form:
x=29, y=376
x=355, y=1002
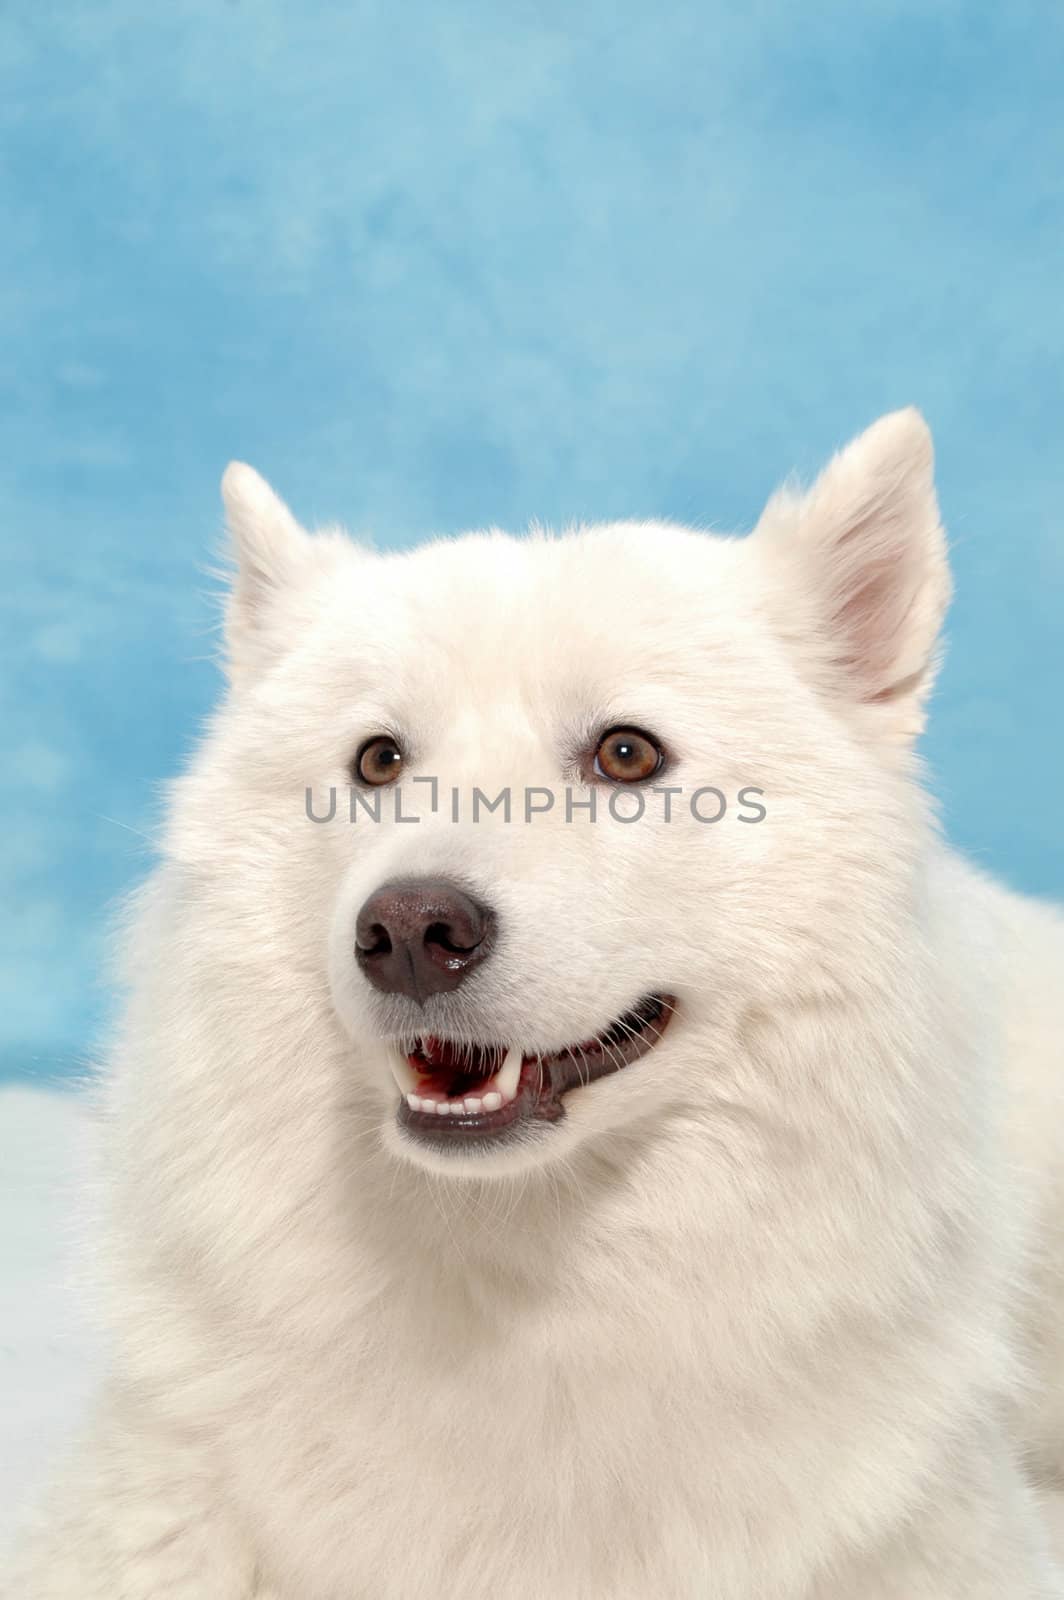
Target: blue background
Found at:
x=432, y=265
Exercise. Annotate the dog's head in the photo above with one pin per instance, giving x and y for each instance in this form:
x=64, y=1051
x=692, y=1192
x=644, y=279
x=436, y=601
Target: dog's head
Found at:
x=539, y=821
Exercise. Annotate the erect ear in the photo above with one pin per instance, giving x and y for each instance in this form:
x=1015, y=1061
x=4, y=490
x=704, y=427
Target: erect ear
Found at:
x=269, y=548
x=864, y=557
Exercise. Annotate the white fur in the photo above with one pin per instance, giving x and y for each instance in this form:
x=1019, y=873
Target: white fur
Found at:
x=773, y=1314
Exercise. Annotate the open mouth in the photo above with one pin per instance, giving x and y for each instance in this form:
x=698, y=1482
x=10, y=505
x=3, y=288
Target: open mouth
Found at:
x=453, y=1090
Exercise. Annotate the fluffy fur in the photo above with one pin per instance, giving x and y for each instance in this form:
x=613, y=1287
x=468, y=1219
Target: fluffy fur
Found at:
x=772, y=1314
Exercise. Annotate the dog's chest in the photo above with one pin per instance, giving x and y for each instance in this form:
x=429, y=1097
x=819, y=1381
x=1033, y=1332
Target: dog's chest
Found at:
x=521, y=1467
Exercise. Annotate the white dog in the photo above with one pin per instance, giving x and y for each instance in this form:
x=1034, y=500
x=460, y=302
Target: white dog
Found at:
x=547, y=1206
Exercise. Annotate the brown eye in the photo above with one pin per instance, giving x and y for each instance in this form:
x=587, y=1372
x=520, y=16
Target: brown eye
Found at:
x=625, y=755
x=379, y=761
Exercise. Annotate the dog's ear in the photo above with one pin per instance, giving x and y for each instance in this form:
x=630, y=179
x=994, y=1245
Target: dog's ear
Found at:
x=269, y=549
x=863, y=558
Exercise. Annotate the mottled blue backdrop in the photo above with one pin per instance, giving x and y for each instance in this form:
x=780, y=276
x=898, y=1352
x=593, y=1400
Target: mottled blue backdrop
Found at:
x=430, y=266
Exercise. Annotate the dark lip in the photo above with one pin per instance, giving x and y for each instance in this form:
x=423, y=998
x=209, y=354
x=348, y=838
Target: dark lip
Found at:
x=545, y=1080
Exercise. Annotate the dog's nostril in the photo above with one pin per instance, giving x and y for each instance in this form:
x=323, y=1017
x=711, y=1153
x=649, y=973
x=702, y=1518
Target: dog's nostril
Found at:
x=442, y=934
x=375, y=941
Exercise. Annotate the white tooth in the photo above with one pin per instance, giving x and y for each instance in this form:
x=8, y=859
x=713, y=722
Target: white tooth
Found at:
x=492, y=1101
x=402, y=1072
x=472, y=1103
x=506, y=1078
x=443, y=1108
x=413, y=1102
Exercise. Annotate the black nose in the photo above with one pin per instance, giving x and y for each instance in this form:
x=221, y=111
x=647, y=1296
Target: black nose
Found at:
x=421, y=936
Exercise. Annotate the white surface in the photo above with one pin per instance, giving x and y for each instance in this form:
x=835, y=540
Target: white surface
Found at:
x=48, y=1359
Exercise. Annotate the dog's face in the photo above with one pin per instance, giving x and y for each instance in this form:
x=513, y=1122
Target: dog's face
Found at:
x=588, y=798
